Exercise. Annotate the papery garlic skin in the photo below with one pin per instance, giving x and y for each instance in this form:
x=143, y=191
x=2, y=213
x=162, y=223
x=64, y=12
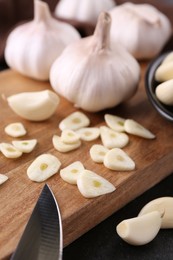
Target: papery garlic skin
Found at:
x=82, y=11
x=140, y=28
x=32, y=47
x=91, y=75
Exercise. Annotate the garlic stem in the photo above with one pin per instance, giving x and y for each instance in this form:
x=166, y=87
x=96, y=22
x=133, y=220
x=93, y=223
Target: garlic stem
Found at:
x=41, y=11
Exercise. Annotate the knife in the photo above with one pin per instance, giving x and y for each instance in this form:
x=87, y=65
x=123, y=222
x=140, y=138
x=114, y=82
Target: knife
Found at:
x=42, y=238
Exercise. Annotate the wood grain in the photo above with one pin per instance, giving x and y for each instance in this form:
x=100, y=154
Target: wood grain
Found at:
x=18, y=195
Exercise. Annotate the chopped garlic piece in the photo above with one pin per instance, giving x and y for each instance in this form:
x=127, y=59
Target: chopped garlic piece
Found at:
x=69, y=136
x=74, y=121
x=71, y=172
x=3, y=178
x=117, y=159
x=63, y=147
x=15, y=130
x=88, y=133
x=115, y=122
x=9, y=150
x=112, y=139
x=25, y=146
x=98, y=152
x=43, y=167
x=92, y=185
x=132, y=127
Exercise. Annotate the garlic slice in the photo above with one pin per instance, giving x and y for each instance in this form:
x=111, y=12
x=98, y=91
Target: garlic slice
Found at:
x=134, y=128
x=164, y=92
x=98, y=152
x=92, y=185
x=71, y=173
x=74, y=121
x=112, y=139
x=25, y=146
x=115, y=122
x=140, y=230
x=3, y=178
x=62, y=147
x=35, y=106
x=69, y=136
x=88, y=133
x=9, y=150
x=43, y=167
x=164, y=205
x=116, y=159
x=15, y=129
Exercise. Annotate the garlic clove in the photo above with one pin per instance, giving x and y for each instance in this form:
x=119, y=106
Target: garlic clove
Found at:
x=115, y=122
x=168, y=58
x=140, y=230
x=164, y=92
x=112, y=139
x=88, y=133
x=15, y=129
x=34, y=106
x=164, y=205
x=62, y=147
x=71, y=173
x=25, y=146
x=98, y=152
x=69, y=136
x=3, y=178
x=92, y=185
x=74, y=121
x=164, y=72
x=116, y=159
x=9, y=150
x=43, y=167
x=134, y=128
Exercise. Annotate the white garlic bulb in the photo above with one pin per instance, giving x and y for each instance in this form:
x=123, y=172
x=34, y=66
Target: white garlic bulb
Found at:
x=32, y=47
x=140, y=28
x=91, y=75
x=83, y=11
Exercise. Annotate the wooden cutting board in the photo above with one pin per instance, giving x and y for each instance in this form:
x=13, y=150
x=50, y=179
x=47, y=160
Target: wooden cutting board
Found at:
x=18, y=195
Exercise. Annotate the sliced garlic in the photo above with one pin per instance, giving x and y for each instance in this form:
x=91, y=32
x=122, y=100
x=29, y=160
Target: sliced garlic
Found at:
x=134, y=128
x=88, y=133
x=68, y=136
x=74, y=121
x=112, y=139
x=9, y=150
x=71, y=173
x=3, y=178
x=163, y=205
x=43, y=167
x=35, y=106
x=140, y=230
x=98, y=152
x=25, y=146
x=62, y=147
x=15, y=130
x=92, y=185
x=117, y=159
x=115, y=122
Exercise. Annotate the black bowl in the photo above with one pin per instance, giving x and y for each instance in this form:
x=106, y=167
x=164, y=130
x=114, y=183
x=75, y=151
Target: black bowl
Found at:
x=151, y=84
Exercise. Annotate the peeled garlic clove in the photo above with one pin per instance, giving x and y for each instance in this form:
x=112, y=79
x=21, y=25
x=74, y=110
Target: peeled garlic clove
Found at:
x=3, y=178
x=115, y=122
x=88, y=133
x=140, y=230
x=112, y=139
x=9, y=150
x=34, y=106
x=74, y=121
x=168, y=58
x=43, y=167
x=15, y=129
x=32, y=47
x=92, y=185
x=71, y=173
x=25, y=146
x=116, y=159
x=164, y=72
x=164, y=92
x=62, y=147
x=68, y=136
x=164, y=205
x=98, y=152
x=134, y=128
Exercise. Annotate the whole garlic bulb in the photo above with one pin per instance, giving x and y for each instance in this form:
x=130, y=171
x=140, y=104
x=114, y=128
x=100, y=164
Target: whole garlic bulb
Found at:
x=91, y=75
x=83, y=11
x=140, y=28
x=32, y=47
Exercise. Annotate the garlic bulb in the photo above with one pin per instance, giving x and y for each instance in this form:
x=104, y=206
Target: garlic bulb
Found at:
x=141, y=29
x=32, y=47
x=83, y=11
x=91, y=75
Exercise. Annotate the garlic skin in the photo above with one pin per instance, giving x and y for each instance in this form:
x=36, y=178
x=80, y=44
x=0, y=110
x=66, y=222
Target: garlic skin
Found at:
x=82, y=11
x=32, y=47
x=91, y=75
x=143, y=31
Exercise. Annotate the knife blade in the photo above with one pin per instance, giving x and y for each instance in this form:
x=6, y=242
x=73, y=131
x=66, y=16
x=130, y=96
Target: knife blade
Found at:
x=42, y=238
